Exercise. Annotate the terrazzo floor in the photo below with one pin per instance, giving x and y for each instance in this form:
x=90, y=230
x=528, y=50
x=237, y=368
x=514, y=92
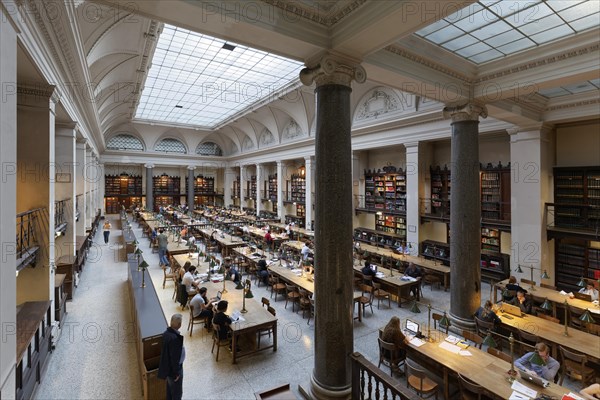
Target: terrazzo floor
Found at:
x=95, y=358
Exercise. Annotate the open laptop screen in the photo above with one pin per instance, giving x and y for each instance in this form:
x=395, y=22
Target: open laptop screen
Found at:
x=412, y=326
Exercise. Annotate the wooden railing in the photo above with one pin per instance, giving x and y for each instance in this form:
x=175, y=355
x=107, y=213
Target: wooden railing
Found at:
x=370, y=382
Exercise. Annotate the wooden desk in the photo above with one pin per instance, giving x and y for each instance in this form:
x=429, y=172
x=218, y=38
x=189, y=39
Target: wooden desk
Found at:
x=427, y=265
x=257, y=318
x=481, y=367
x=259, y=233
x=81, y=247
x=60, y=298
x=292, y=278
x=66, y=265
x=552, y=333
x=227, y=242
x=298, y=231
x=33, y=343
x=391, y=283
x=554, y=296
x=295, y=245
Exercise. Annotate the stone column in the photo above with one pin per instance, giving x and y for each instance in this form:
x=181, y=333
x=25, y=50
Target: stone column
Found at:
x=228, y=186
x=465, y=214
x=280, y=192
x=101, y=188
x=531, y=160
x=190, y=187
x=259, y=186
x=417, y=168
x=308, y=197
x=149, y=187
x=65, y=187
x=331, y=377
x=81, y=185
x=8, y=200
x=89, y=186
x=244, y=193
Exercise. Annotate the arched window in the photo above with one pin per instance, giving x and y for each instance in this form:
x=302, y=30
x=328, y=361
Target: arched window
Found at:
x=209, y=149
x=170, y=146
x=124, y=141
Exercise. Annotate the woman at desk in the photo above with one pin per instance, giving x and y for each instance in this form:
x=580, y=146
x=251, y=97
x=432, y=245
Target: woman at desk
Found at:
x=487, y=314
x=393, y=334
x=590, y=289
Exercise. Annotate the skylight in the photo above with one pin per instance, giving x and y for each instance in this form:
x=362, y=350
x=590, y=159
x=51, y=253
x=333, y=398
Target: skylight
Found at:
x=201, y=81
x=571, y=89
x=492, y=29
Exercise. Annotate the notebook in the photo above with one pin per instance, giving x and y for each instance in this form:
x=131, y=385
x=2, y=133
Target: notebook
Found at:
x=536, y=380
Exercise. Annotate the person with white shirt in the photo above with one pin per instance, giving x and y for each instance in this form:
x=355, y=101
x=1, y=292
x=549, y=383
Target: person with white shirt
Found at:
x=305, y=251
x=202, y=307
x=591, y=290
x=189, y=281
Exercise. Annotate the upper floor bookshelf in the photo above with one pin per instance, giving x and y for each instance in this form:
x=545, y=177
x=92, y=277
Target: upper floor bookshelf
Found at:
x=440, y=191
x=385, y=190
x=166, y=185
x=202, y=185
x=235, y=194
x=122, y=185
x=297, y=186
x=577, y=197
x=495, y=192
x=272, y=188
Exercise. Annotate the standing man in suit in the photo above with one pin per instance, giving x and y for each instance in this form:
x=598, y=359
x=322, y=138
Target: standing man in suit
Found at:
x=171, y=359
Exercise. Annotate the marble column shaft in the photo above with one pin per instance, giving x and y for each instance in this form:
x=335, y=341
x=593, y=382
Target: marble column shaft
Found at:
x=149, y=187
x=190, y=188
x=280, y=192
x=308, y=207
x=259, y=186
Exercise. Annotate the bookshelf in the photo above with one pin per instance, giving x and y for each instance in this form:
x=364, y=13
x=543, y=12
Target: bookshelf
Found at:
x=440, y=191
x=391, y=224
x=297, y=189
x=490, y=240
x=379, y=238
x=386, y=191
x=495, y=192
x=272, y=189
x=251, y=188
x=576, y=258
x=577, y=197
x=166, y=190
x=235, y=194
x=121, y=190
x=300, y=210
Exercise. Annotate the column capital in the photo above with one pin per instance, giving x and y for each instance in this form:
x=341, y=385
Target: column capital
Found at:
x=149, y=165
x=541, y=127
x=67, y=125
x=465, y=112
x=309, y=159
x=191, y=167
x=332, y=70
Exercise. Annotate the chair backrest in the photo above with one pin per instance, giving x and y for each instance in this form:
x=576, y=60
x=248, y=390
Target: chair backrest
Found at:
x=367, y=278
x=271, y=310
x=473, y=337
x=436, y=320
x=265, y=302
x=388, y=351
x=413, y=370
x=547, y=286
x=593, y=329
x=467, y=387
x=549, y=318
x=367, y=289
x=291, y=288
x=483, y=327
x=499, y=354
x=191, y=311
x=528, y=338
x=572, y=358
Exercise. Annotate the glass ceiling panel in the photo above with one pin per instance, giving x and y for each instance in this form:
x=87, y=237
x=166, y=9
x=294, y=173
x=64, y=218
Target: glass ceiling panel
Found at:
x=491, y=29
x=195, y=81
x=571, y=89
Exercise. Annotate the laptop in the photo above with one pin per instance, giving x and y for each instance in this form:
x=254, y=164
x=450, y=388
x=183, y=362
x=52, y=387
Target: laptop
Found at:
x=510, y=309
x=536, y=380
x=217, y=299
x=412, y=327
x=582, y=296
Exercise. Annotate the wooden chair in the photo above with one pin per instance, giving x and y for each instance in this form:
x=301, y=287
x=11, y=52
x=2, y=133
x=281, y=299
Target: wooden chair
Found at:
x=574, y=321
x=431, y=279
x=470, y=390
x=483, y=327
x=367, y=300
x=172, y=276
x=573, y=365
x=265, y=302
x=547, y=286
x=501, y=355
x=549, y=318
x=473, y=337
x=219, y=342
x=292, y=295
x=277, y=287
x=312, y=311
x=367, y=279
x=593, y=329
x=304, y=301
x=390, y=355
x=417, y=379
x=436, y=320
x=381, y=294
x=529, y=340
x=195, y=321
x=266, y=331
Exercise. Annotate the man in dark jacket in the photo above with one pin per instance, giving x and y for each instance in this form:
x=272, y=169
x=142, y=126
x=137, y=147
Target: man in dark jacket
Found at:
x=171, y=359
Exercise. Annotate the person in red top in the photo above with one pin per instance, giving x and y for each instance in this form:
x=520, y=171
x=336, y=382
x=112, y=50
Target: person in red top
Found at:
x=269, y=240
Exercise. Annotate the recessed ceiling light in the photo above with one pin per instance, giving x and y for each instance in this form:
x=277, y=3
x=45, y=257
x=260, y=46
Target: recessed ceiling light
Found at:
x=228, y=46
x=178, y=106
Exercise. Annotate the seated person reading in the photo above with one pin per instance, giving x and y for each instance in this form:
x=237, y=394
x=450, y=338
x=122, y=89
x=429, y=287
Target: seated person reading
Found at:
x=232, y=274
x=393, y=334
x=487, y=314
x=222, y=320
x=202, y=307
x=189, y=280
x=414, y=272
x=263, y=272
x=548, y=367
x=590, y=289
x=521, y=301
x=512, y=285
x=367, y=270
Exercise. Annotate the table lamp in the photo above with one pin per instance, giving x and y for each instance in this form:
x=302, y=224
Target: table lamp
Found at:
x=546, y=305
x=587, y=317
x=138, y=252
x=582, y=283
x=143, y=265
x=414, y=308
x=489, y=341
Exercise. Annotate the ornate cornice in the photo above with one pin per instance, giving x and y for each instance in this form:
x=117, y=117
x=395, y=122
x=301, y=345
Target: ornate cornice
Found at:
x=541, y=62
x=573, y=105
x=313, y=14
x=465, y=112
x=330, y=71
x=427, y=62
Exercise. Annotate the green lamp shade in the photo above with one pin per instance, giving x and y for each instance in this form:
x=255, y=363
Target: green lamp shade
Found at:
x=587, y=317
x=536, y=359
x=489, y=341
x=135, y=242
x=398, y=264
x=545, y=275
x=249, y=294
x=239, y=285
x=444, y=321
x=366, y=254
x=207, y=259
x=143, y=265
x=138, y=251
x=519, y=270
x=414, y=308
x=505, y=293
x=546, y=305
x=582, y=282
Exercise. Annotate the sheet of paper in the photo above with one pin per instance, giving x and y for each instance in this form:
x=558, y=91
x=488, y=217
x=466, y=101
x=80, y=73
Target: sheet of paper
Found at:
x=452, y=339
x=465, y=353
x=563, y=292
x=575, y=396
x=519, y=387
x=518, y=396
x=450, y=347
x=416, y=342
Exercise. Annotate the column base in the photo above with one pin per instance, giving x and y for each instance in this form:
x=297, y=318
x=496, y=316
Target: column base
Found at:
x=317, y=392
x=461, y=323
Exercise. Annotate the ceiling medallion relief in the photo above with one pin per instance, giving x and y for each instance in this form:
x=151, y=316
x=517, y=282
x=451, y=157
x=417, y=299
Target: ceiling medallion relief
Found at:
x=292, y=131
x=326, y=13
x=266, y=138
x=247, y=144
x=383, y=101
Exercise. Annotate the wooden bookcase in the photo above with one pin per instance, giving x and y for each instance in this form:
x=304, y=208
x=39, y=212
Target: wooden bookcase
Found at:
x=235, y=193
x=440, y=191
x=297, y=188
x=495, y=192
x=391, y=224
x=121, y=190
x=166, y=191
x=577, y=197
x=379, y=238
x=576, y=259
x=272, y=188
x=386, y=191
x=490, y=240
x=251, y=188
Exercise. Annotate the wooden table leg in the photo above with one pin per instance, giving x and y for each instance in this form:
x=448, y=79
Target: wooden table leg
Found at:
x=275, y=336
x=234, y=347
x=446, y=385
